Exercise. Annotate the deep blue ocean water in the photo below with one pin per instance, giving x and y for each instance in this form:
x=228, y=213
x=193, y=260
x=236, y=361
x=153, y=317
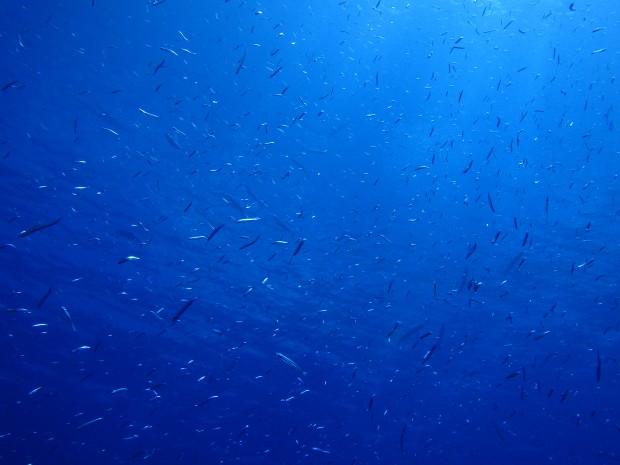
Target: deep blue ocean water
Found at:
x=326, y=232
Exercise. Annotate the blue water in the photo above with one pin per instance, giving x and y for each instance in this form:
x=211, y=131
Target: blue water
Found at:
x=322, y=233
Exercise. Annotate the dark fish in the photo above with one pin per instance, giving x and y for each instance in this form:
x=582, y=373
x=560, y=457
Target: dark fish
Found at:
x=389, y=335
x=172, y=141
x=276, y=72
x=298, y=248
x=516, y=259
x=178, y=314
x=371, y=401
x=468, y=167
x=245, y=246
x=470, y=251
x=158, y=67
x=44, y=298
x=283, y=225
x=509, y=23
x=525, y=239
x=410, y=333
x=40, y=227
x=214, y=232
x=240, y=62
x=8, y=85
x=188, y=207
x=490, y=202
x=499, y=432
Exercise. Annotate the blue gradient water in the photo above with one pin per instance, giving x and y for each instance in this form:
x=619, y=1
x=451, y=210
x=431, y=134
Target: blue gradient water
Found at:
x=399, y=223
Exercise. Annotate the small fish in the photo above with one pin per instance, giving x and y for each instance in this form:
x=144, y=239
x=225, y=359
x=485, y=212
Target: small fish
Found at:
x=8, y=85
x=147, y=113
x=490, y=202
x=173, y=142
x=245, y=246
x=393, y=330
x=240, y=62
x=182, y=310
x=172, y=52
x=289, y=362
x=429, y=353
x=214, y=232
x=525, y=239
x=68, y=316
x=509, y=23
x=158, y=67
x=298, y=248
x=40, y=227
x=276, y=72
x=44, y=298
x=470, y=251
x=89, y=423
x=111, y=131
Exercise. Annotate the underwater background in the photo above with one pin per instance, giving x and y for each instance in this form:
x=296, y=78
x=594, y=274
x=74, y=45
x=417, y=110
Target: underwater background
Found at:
x=327, y=232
